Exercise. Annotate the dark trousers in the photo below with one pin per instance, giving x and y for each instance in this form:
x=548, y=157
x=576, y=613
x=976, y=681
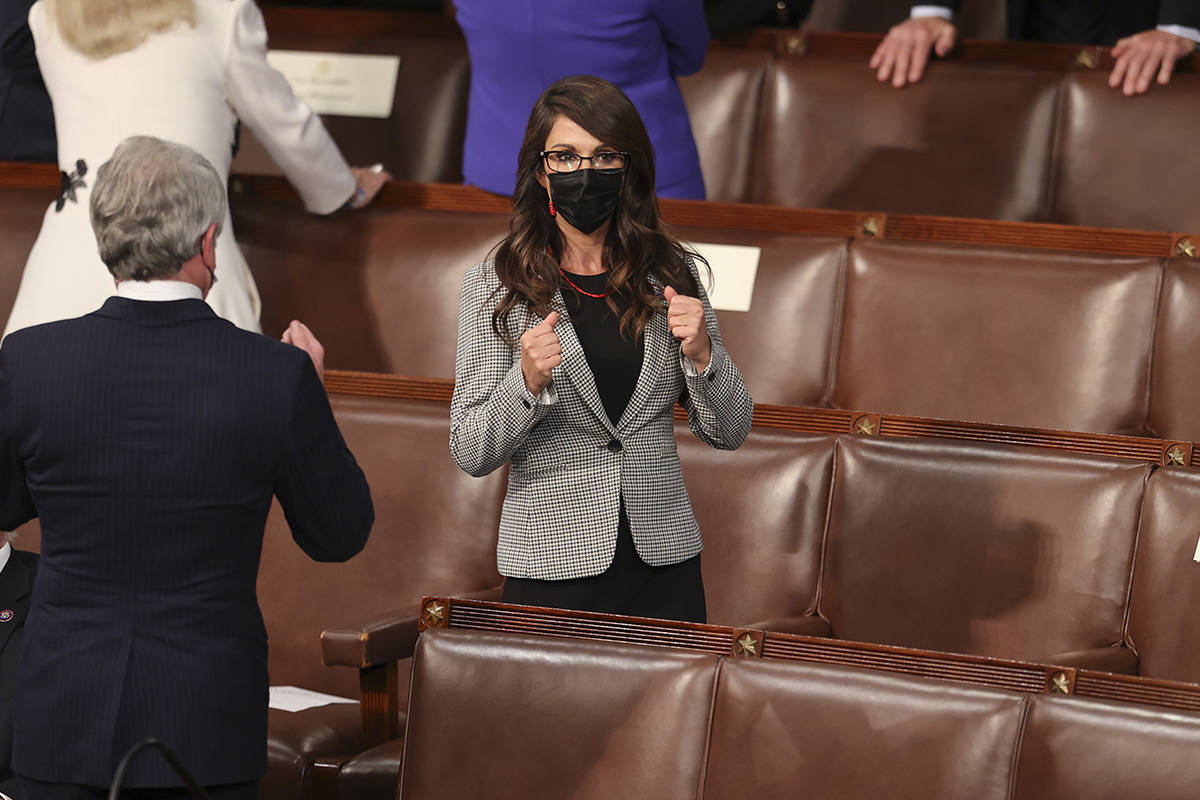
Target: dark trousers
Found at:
x=30, y=789
x=629, y=586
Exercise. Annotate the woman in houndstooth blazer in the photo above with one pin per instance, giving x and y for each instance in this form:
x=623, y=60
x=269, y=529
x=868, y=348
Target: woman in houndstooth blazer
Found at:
x=574, y=344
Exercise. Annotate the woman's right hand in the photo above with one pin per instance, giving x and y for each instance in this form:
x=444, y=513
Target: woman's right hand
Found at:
x=541, y=352
x=368, y=181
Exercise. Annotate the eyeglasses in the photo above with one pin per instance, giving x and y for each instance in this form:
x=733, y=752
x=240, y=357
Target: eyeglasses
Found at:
x=569, y=161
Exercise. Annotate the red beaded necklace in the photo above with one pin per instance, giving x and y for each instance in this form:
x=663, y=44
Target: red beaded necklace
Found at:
x=600, y=296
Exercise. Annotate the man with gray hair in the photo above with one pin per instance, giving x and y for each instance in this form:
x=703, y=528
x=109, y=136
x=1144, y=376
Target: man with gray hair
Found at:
x=149, y=438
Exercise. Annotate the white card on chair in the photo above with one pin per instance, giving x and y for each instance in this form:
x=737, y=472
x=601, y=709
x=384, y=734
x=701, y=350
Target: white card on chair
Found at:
x=340, y=83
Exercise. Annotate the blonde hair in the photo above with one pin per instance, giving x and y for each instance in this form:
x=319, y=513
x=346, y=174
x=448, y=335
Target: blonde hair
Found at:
x=102, y=28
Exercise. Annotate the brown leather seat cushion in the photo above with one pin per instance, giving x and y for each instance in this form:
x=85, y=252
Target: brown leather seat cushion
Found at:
x=966, y=141
x=373, y=774
x=435, y=532
x=1095, y=749
x=1166, y=581
x=998, y=335
x=785, y=343
x=786, y=729
x=761, y=512
x=995, y=550
x=505, y=716
x=724, y=103
x=1120, y=161
x=380, y=287
x=422, y=139
x=295, y=738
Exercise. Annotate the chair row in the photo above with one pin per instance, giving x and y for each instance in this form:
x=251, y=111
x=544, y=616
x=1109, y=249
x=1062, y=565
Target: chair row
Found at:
x=973, y=139
x=964, y=547
x=967, y=547
x=1058, y=340
x=541, y=717
x=997, y=334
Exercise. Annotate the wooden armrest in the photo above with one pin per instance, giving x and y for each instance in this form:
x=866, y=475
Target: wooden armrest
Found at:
x=1120, y=660
x=805, y=625
x=384, y=639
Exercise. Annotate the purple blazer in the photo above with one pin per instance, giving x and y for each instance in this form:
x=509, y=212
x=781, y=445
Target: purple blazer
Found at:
x=519, y=47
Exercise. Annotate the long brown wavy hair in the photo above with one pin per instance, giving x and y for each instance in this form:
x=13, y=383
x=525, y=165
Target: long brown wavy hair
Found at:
x=638, y=243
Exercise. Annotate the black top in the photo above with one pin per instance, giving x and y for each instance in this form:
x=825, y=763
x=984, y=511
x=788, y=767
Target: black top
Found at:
x=615, y=361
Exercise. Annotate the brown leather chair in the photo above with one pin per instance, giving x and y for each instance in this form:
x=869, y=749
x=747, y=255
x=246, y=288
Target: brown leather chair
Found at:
x=21, y=212
x=966, y=141
x=1074, y=749
x=1166, y=581
x=423, y=138
x=435, y=532
x=785, y=344
x=761, y=511
x=502, y=716
x=1050, y=340
x=724, y=103
x=379, y=287
x=788, y=729
x=1175, y=381
x=986, y=549
x=1120, y=162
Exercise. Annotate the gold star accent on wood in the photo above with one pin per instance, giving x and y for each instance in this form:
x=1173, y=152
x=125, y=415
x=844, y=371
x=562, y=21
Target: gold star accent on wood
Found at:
x=866, y=426
x=1185, y=247
x=870, y=227
x=1175, y=456
x=1060, y=684
x=1085, y=58
x=436, y=612
x=747, y=646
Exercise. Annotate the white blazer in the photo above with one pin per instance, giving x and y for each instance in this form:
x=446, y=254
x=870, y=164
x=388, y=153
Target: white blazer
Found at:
x=569, y=465
x=188, y=85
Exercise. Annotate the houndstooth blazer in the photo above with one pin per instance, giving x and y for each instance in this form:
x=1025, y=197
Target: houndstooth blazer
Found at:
x=569, y=465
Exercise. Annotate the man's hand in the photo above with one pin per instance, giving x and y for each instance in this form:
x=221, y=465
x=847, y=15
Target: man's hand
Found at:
x=540, y=353
x=902, y=55
x=299, y=335
x=685, y=318
x=1142, y=55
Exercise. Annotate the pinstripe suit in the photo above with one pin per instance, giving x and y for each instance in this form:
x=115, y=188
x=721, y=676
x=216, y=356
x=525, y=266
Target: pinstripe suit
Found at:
x=149, y=438
x=568, y=464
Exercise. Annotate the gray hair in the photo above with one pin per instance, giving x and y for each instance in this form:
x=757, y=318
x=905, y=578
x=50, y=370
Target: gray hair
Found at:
x=151, y=204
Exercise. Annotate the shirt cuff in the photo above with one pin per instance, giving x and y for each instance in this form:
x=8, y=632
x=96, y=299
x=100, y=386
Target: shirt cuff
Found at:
x=1182, y=30
x=546, y=397
x=931, y=11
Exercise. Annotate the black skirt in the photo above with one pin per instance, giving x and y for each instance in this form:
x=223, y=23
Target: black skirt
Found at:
x=629, y=586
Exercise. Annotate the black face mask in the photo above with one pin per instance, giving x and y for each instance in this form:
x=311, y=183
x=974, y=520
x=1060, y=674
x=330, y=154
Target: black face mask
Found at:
x=586, y=197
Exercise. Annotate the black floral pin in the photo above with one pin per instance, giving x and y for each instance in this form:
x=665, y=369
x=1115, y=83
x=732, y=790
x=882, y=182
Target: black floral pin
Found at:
x=71, y=182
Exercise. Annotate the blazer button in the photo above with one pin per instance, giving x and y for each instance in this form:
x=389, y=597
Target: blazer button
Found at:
x=614, y=446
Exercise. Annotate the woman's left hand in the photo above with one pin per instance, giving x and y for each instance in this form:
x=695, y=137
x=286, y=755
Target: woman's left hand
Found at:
x=685, y=318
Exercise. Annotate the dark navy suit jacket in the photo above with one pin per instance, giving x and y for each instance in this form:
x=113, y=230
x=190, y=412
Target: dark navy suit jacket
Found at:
x=149, y=438
x=26, y=114
x=16, y=583
x=1129, y=16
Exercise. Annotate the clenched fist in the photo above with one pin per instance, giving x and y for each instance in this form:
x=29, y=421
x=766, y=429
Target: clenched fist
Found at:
x=685, y=318
x=540, y=353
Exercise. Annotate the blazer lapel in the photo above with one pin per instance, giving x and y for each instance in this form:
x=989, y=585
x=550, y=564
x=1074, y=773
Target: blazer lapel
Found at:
x=657, y=346
x=575, y=365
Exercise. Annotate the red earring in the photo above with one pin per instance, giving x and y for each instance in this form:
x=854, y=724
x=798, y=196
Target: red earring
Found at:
x=553, y=213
